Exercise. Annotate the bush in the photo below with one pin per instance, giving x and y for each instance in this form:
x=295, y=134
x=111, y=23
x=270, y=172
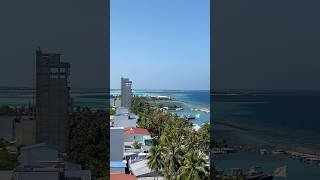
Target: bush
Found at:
x=136, y=145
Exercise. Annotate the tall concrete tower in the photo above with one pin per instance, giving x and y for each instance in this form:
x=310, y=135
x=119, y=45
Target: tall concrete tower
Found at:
x=126, y=93
x=52, y=100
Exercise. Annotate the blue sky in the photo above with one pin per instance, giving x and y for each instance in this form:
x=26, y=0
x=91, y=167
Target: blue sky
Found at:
x=161, y=44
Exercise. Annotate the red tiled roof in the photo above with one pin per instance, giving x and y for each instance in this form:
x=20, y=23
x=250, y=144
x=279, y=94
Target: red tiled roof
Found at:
x=129, y=131
x=116, y=176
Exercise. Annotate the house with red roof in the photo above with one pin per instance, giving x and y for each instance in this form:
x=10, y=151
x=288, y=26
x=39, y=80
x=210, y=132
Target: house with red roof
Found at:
x=140, y=135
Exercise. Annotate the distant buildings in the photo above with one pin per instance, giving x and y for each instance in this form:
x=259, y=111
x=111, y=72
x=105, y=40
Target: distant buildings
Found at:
x=52, y=100
x=126, y=93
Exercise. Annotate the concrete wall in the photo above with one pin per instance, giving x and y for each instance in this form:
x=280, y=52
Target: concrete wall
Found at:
x=116, y=143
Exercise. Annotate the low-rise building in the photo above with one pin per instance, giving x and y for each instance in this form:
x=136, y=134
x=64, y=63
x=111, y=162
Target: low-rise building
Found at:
x=118, y=167
x=44, y=161
x=140, y=135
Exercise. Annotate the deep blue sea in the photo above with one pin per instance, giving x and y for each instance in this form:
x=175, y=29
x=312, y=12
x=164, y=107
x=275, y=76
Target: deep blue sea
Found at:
x=287, y=119
x=294, y=110
x=275, y=117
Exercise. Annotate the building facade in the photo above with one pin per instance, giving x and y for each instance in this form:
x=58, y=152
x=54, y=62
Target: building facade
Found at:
x=126, y=93
x=140, y=135
x=52, y=100
x=117, y=144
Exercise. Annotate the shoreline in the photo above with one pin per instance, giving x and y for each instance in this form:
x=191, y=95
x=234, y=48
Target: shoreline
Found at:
x=232, y=130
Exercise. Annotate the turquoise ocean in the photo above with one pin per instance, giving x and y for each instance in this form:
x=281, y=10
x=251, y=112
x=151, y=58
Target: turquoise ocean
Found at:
x=191, y=101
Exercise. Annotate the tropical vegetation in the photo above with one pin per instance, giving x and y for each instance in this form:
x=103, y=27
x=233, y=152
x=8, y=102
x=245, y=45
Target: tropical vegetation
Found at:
x=7, y=110
x=178, y=151
x=89, y=141
x=7, y=161
x=136, y=145
x=169, y=105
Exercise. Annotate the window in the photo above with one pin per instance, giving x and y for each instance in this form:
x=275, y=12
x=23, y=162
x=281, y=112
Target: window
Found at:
x=54, y=70
x=62, y=70
x=54, y=76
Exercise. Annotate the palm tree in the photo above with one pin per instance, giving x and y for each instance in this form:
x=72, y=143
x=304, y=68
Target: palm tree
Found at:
x=204, y=138
x=172, y=152
x=155, y=160
x=193, y=168
x=191, y=141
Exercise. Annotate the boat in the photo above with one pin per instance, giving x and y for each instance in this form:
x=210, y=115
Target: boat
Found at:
x=218, y=151
x=312, y=160
x=204, y=110
x=264, y=152
x=190, y=117
x=278, y=151
x=256, y=173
